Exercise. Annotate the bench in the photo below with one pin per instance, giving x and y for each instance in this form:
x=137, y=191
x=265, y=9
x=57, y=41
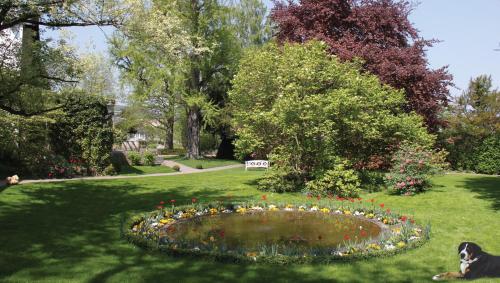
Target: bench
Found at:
x=256, y=164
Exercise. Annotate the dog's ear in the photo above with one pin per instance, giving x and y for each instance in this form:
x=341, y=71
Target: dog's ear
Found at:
x=461, y=246
x=474, y=249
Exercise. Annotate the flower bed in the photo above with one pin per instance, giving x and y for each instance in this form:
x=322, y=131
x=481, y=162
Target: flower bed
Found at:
x=400, y=232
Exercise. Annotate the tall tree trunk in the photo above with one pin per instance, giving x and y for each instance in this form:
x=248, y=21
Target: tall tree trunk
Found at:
x=193, y=133
x=169, y=138
x=226, y=147
x=30, y=67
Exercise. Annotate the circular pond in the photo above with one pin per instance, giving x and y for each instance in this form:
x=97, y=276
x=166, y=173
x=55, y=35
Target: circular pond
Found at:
x=253, y=230
x=291, y=233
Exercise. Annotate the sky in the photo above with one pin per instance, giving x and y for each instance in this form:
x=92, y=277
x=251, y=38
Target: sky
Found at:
x=469, y=32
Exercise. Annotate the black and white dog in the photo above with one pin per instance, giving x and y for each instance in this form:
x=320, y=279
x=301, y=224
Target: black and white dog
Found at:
x=474, y=264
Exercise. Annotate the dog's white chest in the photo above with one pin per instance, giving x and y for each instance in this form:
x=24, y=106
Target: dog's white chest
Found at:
x=463, y=266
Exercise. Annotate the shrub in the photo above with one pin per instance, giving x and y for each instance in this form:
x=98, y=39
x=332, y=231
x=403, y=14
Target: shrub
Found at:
x=149, y=158
x=176, y=168
x=110, y=170
x=199, y=166
x=488, y=158
x=338, y=181
x=134, y=158
x=412, y=168
x=308, y=108
x=372, y=180
x=279, y=180
x=84, y=130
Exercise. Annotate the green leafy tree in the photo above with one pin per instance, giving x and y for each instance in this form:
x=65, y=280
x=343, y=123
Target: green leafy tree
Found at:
x=303, y=109
x=472, y=118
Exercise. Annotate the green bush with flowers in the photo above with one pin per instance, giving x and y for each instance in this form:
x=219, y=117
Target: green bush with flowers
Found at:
x=150, y=231
x=413, y=166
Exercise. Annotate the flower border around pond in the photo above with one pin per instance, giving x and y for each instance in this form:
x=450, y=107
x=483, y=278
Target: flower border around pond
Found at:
x=399, y=232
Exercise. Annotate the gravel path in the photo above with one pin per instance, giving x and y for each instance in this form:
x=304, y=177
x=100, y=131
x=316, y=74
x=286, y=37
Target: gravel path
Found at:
x=184, y=170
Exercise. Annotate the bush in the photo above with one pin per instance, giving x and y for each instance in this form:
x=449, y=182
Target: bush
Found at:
x=84, y=130
x=176, y=168
x=199, y=166
x=134, y=158
x=279, y=180
x=149, y=158
x=412, y=168
x=338, y=181
x=372, y=181
x=488, y=158
x=308, y=108
x=110, y=170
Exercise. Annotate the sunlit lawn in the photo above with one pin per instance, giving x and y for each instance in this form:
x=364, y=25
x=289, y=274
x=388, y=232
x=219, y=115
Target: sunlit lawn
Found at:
x=69, y=232
x=205, y=162
x=142, y=169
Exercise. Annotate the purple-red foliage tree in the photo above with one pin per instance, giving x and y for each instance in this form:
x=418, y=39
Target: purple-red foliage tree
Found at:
x=379, y=32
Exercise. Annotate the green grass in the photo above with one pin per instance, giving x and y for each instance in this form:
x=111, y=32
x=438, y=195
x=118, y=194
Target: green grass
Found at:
x=69, y=231
x=141, y=170
x=205, y=162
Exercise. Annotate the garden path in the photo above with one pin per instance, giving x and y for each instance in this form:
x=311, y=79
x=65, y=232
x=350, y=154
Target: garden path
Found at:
x=183, y=170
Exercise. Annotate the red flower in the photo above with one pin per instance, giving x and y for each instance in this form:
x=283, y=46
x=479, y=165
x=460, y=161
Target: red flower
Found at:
x=382, y=205
x=162, y=202
x=363, y=233
x=222, y=234
x=160, y=207
x=193, y=200
x=318, y=197
x=351, y=199
x=264, y=197
x=404, y=218
x=359, y=199
x=346, y=237
x=172, y=201
x=412, y=221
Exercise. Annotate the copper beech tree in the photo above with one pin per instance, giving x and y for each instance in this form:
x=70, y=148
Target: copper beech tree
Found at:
x=380, y=33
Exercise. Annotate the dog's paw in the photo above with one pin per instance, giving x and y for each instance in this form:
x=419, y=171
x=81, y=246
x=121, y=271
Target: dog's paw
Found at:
x=437, y=277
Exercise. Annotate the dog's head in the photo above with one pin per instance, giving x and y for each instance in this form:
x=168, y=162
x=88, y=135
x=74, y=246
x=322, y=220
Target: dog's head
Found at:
x=468, y=250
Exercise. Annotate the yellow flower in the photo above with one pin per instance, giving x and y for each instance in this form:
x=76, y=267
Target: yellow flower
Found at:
x=401, y=244
x=347, y=212
x=374, y=246
x=273, y=207
x=325, y=210
x=289, y=206
x=252, y=254
x=241, y=210
x=213, y=211
x=385, y=221
x=397, y=230
x=167, y=221
x=371, y=215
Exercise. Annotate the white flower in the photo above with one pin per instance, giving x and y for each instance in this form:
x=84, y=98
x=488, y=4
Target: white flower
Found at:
x=314, y=208
x=288, y=209
x=389, y=247
x=338, y=211
x=227, y=211
x=413, y=238
x=256, y=208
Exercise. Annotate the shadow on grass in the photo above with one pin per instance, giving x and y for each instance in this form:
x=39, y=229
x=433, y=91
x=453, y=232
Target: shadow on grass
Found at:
x=72, y=229
x=487, y=187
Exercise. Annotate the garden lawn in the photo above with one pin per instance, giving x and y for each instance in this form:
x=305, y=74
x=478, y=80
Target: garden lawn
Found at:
x=205, y=162
x=69, y=231
x=141, y=170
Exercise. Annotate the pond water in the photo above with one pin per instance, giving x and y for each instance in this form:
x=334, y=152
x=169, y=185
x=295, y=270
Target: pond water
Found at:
x=251, y=230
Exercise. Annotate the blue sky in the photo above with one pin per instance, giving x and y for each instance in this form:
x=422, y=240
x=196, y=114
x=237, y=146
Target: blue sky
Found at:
x=469, y=32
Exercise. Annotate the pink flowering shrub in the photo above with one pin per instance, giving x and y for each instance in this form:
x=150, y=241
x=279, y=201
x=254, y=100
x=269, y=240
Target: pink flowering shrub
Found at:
x=413, y=167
